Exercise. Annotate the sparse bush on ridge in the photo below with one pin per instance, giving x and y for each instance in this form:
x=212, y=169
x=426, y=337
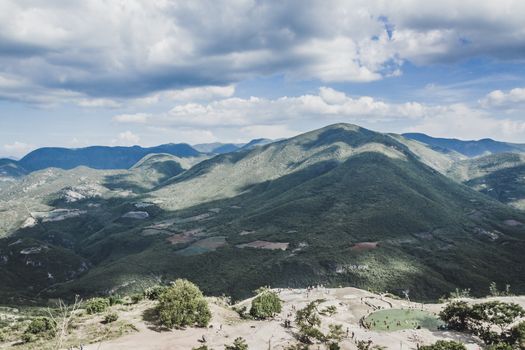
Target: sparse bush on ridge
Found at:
x=96, y=305
x=266, y=304
x=111, y=317
x=238, y=344
x=183, y=304
x=444, y=345
x=39, y=327
x=153, y=293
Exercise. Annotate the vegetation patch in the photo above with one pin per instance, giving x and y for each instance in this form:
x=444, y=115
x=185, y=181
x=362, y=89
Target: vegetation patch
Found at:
x=204, y=246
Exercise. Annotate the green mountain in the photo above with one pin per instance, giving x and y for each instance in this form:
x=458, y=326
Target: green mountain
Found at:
x=340, y=205
x=469, y=148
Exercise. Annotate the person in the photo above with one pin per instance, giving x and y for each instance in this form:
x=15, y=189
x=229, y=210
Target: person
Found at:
x=347, y=331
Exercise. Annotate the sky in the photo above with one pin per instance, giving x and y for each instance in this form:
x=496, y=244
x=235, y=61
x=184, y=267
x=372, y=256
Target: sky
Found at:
x=148, y=72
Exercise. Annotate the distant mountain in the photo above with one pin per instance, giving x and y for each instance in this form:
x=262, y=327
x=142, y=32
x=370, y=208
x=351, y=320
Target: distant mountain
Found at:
x=256, y=142
x=221, y=148
x=217, y=147
x=467, y=148
x=98, y=157
x=10, y=168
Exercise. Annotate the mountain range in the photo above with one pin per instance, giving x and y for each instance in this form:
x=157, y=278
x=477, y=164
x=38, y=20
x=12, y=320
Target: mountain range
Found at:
x=341, y=205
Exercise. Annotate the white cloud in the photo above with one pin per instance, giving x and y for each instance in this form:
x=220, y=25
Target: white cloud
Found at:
x=138, y=118
x=126, y=138
x=499, y=99
x=17, y=149
x=101, y=52
x=285, y=116
x=329, y=104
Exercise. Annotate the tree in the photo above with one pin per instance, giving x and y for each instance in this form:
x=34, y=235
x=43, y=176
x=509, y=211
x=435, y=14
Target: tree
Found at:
x=517, y=335
x=309, y=322
x=335, y=333
x=497, y=313
x=444, y=345
x=267, y=304
x=182, y=304
x=457, y=315
x=238, y=344
x=481, y=319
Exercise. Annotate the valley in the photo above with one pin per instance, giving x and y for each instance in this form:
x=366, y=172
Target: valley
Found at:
x=341, y=205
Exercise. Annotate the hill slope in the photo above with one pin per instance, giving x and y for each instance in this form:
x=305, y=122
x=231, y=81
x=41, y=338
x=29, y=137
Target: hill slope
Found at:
x=340, y=205
x=501, y=176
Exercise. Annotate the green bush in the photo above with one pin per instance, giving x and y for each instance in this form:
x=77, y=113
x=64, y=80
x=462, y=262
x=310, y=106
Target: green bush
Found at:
x=136, y=298
x=111, y=317
x=238, y=344
x=96, y=305
x=267, y=304
x=444, y=345
x=41, y=325
x=183, y=304
x=153, y=293
x=517, y=335
x=115, y=300
x=500, y=346
x=28, y=338
x=202, y=347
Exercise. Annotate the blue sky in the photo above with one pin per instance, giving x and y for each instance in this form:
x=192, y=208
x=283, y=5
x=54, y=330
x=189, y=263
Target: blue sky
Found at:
x=149, y=72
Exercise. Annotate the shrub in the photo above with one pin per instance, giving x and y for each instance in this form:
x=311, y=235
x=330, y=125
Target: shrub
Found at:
x=500, y=346
x=136, y=298
x=202, y=347
x=266, y=305
x=115, y=300
x=238, y=344
x=334, y=346
x=309, y=322
x=96, y=305
x=329, y=311
x=153, y=293
x=183, y=304
x=444, y=345
x=336, y=333
x=111, y=317
x=28, y=337
x=41, y=325
x=517, y=335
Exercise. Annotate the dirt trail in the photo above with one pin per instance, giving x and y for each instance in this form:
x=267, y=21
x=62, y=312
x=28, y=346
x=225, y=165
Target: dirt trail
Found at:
x=226, y=325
